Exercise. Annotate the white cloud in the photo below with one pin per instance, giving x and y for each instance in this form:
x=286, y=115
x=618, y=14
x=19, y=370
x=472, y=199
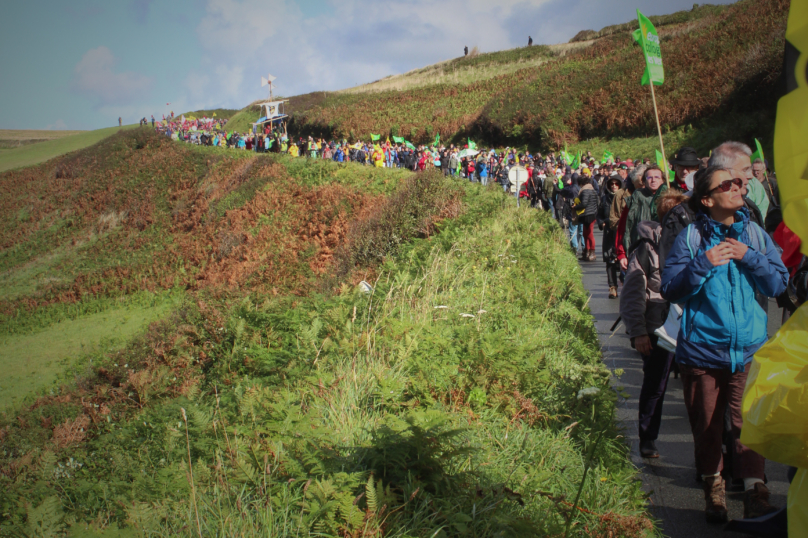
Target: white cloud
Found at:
x=351, y=42
x=95, y=77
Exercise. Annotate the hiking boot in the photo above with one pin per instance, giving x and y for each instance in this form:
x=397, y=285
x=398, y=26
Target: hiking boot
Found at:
x=592, y=256
x=612, y=292
x=756, y=502
x=584, y=255
x=648, y=449
x=716, y=497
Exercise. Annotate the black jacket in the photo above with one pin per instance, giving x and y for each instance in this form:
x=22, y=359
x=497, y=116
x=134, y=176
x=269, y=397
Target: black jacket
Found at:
x=674, y=222
x=589, y=203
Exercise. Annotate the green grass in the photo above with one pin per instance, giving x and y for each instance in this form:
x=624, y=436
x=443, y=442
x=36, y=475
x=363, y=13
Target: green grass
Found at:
x=33, y=361
x=221, y=113
x=242, y=121
x=42, y=151
x=445, y=403
x=13, y=138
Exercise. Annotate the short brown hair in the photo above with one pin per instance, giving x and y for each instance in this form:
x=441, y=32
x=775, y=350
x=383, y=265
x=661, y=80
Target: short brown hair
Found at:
x=668, y=201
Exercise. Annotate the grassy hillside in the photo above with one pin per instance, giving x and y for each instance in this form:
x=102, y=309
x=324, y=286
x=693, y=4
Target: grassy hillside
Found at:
x=242, y=121
x=720, y=62
x=463, y=395
x=11, y=138
x=221, y=113
x=31, y=154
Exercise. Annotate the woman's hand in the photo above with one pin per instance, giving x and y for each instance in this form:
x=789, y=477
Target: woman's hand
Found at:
x=623, y=263
x=643, y=344
x=719, y=254
x=737, y=249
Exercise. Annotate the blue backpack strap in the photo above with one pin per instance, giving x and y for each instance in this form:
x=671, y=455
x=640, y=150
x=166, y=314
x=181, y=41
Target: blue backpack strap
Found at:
x=693, y=239
x=756, y=238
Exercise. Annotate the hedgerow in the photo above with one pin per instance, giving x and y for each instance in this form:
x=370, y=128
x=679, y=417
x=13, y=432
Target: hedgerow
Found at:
x=463, y=395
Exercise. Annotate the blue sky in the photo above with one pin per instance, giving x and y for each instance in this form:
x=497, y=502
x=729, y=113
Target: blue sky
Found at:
x=81, y=64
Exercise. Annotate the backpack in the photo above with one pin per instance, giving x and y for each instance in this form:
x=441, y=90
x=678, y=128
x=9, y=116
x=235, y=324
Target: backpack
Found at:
x=754, y=232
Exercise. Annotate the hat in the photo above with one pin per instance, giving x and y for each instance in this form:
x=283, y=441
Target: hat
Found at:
x=628, y=162
x=686, y=156
x=623, y=166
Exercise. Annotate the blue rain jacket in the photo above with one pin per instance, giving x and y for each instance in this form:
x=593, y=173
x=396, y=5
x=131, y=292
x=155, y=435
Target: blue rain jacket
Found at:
x=722, y=326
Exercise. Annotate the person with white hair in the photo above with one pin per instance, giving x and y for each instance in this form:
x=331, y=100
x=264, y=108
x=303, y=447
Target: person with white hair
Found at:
x=736, y=157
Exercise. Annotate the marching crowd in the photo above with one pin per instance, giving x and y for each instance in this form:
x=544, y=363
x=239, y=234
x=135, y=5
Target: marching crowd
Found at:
x=693, y=254
x=693, y=259
x=699, y=255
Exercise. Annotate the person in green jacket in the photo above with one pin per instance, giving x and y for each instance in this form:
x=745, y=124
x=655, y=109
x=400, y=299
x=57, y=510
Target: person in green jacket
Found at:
x=643, y=203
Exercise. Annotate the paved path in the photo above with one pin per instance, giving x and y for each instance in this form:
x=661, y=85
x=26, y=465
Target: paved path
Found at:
x=676, y=499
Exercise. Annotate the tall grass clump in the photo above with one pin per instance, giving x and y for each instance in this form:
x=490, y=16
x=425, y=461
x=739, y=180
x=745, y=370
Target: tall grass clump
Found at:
x=462, y=396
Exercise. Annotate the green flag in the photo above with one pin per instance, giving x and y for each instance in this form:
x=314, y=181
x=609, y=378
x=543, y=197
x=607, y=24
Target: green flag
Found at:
x=757, y=154
x=409, y=144
x=569, y=159
x=437, y=139
x=608, y=156
x=374, y=137
x=663, y=164
x=398, y=139
x=660, y=159
x=472, y=145
x=646, y=36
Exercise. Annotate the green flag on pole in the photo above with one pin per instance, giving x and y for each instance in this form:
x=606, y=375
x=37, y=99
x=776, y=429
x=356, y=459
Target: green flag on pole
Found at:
x=662, y=162
x=374, y=137
x=437, y=139
x=569, y=159
x=608, y=156
x=758, y=154
x=646, y=36
x=660, y=159
x=472, y=145
x=398, y=139
x=409, y=144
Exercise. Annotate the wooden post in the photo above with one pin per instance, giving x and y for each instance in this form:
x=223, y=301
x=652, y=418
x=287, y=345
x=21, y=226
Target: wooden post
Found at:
x=659, y=129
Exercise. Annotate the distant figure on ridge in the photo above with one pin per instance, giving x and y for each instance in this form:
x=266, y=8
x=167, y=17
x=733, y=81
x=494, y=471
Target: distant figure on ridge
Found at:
x=529, y=41
x=119, y=121
x=466, y=50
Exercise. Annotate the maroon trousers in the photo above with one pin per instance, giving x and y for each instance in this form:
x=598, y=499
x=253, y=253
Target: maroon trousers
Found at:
x=589, y=236
x=709, y=392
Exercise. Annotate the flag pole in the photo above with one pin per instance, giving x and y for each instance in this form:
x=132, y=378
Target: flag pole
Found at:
x=659, y=129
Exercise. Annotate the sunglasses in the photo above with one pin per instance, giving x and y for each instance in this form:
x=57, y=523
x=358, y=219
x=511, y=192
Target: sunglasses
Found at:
x=726, y=185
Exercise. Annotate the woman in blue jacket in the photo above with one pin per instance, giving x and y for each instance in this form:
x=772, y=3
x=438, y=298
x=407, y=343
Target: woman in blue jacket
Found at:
x=712, y=272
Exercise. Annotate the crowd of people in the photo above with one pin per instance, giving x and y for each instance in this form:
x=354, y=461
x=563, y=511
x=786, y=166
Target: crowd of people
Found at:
x=697, y=250
x=703, y=249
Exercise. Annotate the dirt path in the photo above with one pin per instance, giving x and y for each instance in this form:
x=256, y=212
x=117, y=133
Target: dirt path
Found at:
x=675, y=497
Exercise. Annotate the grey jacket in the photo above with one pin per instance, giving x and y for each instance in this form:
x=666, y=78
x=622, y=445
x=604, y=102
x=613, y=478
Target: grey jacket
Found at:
x=641, y=306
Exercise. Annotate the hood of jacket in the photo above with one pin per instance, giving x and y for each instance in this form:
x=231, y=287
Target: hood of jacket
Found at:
x=647, y=230
x=709, y=227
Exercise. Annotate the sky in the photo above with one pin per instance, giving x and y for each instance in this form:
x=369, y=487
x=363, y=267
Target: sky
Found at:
x=84, y=63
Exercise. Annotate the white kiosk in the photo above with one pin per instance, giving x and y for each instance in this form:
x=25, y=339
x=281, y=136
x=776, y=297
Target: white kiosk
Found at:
x=272, y=112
